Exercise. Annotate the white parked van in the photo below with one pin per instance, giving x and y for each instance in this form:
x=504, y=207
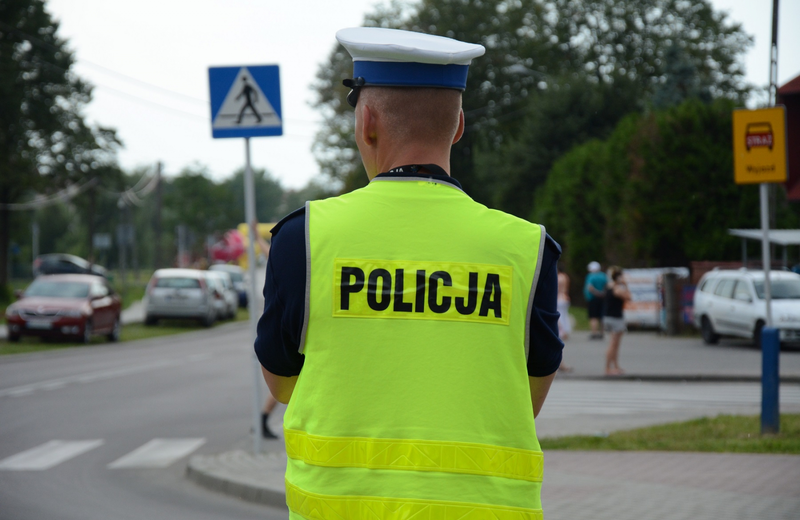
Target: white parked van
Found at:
x=731, y=303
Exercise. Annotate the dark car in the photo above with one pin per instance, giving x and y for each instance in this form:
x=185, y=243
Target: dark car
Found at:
x=66, y=306
x=62, y=263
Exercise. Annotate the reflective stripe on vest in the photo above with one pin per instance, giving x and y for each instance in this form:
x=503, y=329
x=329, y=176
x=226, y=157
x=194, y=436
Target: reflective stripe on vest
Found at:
x=314, y=506
x=414, y=395
x=404, y=454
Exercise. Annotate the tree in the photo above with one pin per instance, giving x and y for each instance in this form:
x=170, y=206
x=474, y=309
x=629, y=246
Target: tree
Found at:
x=532, y=45
x=269, y=194
x=658, y=192
x=44, y=142
x=570, y=111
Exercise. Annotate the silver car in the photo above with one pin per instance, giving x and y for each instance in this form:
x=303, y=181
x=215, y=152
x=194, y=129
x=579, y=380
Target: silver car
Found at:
x=180, y=293
x=238, y=277
x=229, y=301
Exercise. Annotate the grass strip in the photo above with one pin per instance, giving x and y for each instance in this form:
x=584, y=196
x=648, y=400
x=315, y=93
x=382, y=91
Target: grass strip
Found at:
x=724, y=433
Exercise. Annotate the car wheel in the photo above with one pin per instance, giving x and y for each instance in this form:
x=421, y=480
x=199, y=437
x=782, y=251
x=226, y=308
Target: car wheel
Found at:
x=114, y=334
x=757, y=334
x=13, y=338
x=208, y=321
x=150, y=320
x=707, y=331
x=87, y=332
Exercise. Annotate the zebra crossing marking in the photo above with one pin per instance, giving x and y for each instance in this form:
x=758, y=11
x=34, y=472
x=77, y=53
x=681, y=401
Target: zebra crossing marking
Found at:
x=47, y=455
x=158, y=453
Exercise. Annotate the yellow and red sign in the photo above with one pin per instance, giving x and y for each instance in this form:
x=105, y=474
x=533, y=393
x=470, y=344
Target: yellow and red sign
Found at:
x=759, y=145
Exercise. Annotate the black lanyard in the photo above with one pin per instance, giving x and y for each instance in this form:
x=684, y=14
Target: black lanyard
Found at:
x=432, y=169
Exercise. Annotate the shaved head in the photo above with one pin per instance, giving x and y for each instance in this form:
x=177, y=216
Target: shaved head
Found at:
x=408, y=115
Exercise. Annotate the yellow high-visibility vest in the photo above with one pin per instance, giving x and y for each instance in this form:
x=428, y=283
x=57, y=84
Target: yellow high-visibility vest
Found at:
x=414, y=394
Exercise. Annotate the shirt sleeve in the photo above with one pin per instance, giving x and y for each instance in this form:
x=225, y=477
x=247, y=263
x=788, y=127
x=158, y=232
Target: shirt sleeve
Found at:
x=544, y=355
x=280, y=326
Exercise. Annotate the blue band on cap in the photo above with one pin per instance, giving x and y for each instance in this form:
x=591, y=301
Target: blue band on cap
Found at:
x=408, y=74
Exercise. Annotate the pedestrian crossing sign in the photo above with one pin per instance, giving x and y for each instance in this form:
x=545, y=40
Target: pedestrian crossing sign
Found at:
x=245, y=101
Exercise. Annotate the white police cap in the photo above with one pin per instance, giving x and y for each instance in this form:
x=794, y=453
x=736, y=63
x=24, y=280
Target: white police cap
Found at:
x=394, y=58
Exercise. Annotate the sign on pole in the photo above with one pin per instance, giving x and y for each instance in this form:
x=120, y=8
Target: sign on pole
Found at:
x=759, y=145
x=245, y=101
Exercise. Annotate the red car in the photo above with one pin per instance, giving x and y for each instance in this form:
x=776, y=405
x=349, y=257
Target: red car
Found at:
x=66, y=305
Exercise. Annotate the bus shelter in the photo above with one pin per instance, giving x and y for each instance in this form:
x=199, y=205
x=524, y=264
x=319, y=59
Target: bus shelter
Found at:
x=778, y=237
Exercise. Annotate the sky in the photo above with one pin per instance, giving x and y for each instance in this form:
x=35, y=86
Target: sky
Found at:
x=148, y=61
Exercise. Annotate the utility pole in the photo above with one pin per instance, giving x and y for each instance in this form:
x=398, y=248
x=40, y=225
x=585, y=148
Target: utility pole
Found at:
x=92, y=197
x=34, y=238
x=121, y=238
x=157, y=220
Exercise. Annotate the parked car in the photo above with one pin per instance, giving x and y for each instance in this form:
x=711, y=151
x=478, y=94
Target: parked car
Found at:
x=229, y=302
x=66, y=305
x=238, y=278
x=61, y=263
x=179, y=294
x=731, y=303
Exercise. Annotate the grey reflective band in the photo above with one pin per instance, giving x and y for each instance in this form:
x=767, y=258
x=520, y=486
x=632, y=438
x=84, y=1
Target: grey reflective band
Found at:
x=542, y=240
x=417, y=179
x=308, y=280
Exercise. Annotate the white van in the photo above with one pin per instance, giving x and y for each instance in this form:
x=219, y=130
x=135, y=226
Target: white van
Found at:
x=731, y=303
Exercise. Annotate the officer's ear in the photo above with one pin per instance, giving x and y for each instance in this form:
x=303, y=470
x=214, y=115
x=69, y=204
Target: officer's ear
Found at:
x=368, y=124
x=460, y=129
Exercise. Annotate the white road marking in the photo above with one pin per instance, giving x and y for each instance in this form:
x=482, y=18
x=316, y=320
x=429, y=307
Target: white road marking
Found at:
x=99, y=375
x=47, y=455
x=158, y=453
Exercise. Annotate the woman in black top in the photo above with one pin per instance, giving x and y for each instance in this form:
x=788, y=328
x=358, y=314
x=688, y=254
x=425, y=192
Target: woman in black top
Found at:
x=616, y=295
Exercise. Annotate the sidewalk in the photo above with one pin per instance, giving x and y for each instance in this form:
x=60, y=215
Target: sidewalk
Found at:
x=589, y=485
x=609, y=485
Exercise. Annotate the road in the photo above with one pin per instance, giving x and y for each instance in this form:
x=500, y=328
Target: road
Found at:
x=104, y=431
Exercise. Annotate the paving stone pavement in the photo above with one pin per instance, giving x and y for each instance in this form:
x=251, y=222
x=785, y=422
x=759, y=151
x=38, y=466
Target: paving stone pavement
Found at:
x=670, y=486
x=583, y=485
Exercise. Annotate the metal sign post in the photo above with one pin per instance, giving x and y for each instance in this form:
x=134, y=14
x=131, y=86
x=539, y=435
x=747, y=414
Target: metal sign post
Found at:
x=246, y=102
x=250, y=216
x=759, y=156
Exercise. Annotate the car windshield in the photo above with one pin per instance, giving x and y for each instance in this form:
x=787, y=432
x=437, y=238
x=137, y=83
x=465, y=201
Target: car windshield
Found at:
x=178, y=283
x=58, y=289
x=781, y=289
x=236, y=277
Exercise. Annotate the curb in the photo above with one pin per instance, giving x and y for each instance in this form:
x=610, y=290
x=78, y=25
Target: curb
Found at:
x=688, y=378
x=239, y=474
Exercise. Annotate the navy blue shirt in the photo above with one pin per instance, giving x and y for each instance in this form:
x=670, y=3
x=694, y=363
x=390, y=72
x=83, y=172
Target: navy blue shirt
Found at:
x=278, y=334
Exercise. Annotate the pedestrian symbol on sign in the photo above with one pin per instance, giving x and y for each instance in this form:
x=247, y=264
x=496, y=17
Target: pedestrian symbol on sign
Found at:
x=250, y=95
x=245, y=106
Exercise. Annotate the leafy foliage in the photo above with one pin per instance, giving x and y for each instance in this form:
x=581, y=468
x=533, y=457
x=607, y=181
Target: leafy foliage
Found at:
x=625, y=49
x=658, y=192
x=44, y=142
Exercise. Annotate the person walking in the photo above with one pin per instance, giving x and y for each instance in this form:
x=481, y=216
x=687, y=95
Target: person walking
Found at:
x=412, y=331
x=594, y=291
x=617, y=294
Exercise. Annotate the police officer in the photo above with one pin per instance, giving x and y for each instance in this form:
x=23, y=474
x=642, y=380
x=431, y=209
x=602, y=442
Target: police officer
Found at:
x=412, y=331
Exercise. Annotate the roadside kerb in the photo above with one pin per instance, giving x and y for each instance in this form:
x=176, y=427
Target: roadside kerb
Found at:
x=258, y=479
